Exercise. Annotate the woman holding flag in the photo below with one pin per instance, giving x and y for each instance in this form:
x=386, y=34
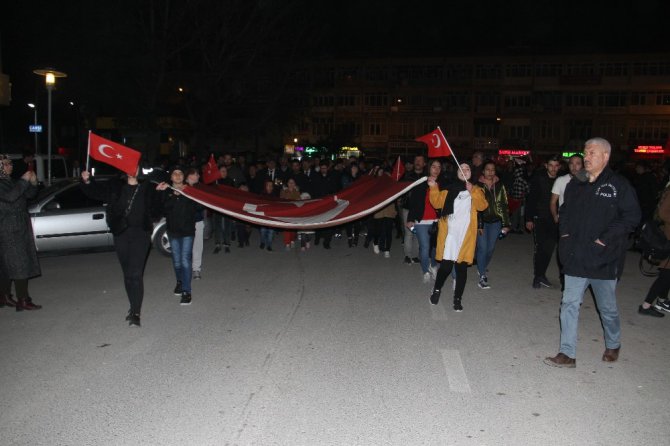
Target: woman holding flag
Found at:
x=131, y=210
x=457, y=230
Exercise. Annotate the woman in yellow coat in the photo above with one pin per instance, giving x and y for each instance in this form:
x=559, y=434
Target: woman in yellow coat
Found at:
x=456, y=231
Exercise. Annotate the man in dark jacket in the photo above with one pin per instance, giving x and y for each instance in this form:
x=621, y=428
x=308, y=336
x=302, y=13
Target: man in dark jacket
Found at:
x=597, y=215
x=540, y=221
x=180, y=214
x=419, y=171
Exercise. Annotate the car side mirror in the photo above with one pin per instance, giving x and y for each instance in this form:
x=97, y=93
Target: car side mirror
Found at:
x=52, y=206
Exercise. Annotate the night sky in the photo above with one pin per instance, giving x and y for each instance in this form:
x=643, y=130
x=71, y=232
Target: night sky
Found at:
x=109, y=50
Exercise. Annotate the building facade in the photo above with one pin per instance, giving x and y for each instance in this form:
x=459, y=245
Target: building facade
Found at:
x=544, y=104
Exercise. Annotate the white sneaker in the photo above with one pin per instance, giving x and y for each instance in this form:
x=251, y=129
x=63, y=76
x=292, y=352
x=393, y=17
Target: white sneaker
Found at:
x=433, y=271
x=387, y=254
x=375, y=248
x=426, y=278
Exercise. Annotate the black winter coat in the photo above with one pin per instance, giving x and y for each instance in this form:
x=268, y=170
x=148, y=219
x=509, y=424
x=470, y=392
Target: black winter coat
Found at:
x=606, y=209
x=180, y=213
x=18, y=256
x=112, y=193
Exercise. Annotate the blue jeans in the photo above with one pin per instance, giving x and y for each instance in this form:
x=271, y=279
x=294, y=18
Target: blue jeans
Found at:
x=267, y=235
x=486, y=243
x=604, y=291
x=426, y=252
x=182, y=260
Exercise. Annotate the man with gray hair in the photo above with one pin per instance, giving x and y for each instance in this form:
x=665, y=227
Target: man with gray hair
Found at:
x=599, y=211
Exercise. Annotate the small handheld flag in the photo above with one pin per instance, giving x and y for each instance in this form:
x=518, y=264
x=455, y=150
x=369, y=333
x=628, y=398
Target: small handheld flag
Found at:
x=114, y=154
x=211, y=172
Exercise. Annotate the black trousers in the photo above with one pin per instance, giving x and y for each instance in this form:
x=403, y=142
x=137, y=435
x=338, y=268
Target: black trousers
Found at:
x=385, y=233
x=659, y=289
x=132, y=249
x=461, y=276
x=545, y=236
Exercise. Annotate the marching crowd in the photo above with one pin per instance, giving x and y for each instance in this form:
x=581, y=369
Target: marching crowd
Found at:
x=446, y=224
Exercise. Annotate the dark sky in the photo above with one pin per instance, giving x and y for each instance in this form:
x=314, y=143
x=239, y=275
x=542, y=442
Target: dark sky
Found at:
x=91, y=40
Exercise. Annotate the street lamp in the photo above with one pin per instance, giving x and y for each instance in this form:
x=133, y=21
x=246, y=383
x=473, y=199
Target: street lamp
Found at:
x=34, y=107
x=50, y=76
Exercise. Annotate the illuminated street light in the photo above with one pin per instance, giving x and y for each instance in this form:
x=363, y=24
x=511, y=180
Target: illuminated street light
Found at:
x=50, y=76
x=34, y=107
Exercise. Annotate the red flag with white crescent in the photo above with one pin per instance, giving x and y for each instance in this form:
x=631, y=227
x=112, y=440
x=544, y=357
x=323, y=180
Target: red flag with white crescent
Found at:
x=114, y=154
x=363, y=197
x=437, y=144
x=211, y=172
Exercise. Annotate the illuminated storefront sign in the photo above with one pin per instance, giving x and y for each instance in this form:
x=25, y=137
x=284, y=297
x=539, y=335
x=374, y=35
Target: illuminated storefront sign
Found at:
x=649, y=149
x=513, y=152
x=569, y=154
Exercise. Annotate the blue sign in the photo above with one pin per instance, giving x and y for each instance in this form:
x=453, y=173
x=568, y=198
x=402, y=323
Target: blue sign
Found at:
x=35, y=128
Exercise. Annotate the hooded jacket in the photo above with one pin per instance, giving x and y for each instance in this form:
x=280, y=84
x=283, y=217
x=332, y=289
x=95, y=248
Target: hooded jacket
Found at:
x=605, y=210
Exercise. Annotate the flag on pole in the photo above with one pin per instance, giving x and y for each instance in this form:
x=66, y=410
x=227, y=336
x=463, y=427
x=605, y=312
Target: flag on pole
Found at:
x=437, y=144
x=211, y=171
x=398, y=169
x=114, y=154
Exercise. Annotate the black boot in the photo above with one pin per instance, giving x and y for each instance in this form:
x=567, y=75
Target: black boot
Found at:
x=457, y=304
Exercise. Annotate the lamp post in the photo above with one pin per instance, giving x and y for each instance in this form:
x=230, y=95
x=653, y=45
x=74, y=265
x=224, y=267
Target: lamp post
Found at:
x=34, y=107
x=50, y=76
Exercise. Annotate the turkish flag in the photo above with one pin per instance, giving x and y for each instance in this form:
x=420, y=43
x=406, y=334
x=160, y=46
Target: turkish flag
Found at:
x=398, y=169
x=211, y=171
x=114, y=154
x=437, y=144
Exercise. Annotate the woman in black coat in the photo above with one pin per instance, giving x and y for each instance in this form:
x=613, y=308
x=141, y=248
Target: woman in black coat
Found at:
x=131, y=209
x=18, y=256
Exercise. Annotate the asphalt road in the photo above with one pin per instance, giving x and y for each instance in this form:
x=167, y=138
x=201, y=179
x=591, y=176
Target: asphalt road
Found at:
x=336, y=347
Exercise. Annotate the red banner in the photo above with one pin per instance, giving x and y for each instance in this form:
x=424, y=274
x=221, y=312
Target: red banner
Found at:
x=365, y=196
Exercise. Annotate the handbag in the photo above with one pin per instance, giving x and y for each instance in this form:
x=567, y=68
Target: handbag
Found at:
x=121, y=224
x=653, y=244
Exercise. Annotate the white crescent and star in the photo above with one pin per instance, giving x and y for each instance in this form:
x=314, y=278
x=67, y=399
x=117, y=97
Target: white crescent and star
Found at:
x=437, y=141
x=101, y=150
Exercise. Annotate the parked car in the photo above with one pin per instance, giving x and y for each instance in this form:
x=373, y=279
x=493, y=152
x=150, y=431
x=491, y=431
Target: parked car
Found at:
x=65, y=219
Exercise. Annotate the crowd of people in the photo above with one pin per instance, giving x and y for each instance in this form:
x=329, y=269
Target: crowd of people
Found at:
x=446, y=224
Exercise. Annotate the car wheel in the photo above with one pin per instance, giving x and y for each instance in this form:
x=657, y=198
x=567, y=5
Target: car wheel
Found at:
x=162, y=242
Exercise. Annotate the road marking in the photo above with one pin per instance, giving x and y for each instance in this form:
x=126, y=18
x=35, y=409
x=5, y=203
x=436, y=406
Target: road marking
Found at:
x=458, y=381
x=438, y=313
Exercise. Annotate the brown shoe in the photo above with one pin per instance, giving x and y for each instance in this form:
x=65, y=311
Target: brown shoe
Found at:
x=26, y=304
x=611, y=354
x=562, y=361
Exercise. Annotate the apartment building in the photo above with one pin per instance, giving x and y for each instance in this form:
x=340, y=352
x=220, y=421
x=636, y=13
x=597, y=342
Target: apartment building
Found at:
x=542, y=103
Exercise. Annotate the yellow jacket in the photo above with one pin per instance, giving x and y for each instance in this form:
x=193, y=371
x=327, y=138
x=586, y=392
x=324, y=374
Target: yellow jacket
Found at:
x=479, y=203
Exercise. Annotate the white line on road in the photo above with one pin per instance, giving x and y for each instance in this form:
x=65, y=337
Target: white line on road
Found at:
x=458, y=381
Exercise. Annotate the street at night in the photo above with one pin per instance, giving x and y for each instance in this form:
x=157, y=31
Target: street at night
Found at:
x=336, y=347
